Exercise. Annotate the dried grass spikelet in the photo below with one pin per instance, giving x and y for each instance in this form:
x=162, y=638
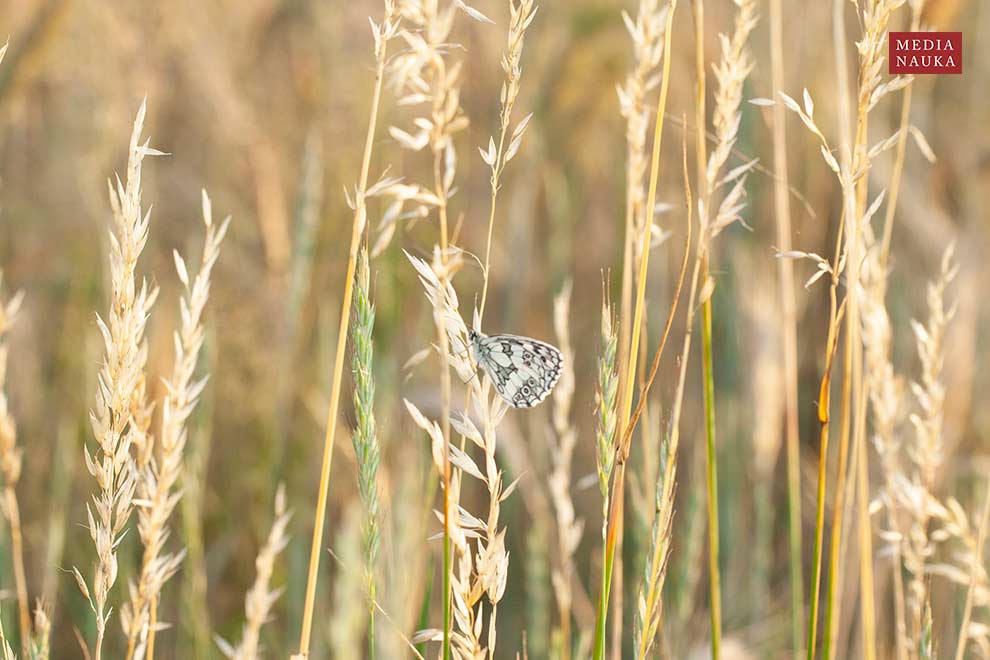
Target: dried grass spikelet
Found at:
x=261, y=597
x=156, y=494
x=521, y=15
x=916, y=492
x=119, y=391
x=885, y=389
x=482, y=570
x=569, y=528
x=425, y=77
x=731, y=72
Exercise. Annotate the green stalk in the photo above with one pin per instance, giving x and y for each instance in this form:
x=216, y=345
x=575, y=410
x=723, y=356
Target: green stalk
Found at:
x=711, y=471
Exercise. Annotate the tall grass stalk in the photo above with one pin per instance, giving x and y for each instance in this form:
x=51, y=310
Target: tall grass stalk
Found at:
x=121, y=384
x=426, y=75
x=731, y=71
x=846, y=263
x=496, y=156
x=605, y=413
x=365, y=437
x=649, y=605
x=647, y=35
x=617, y=490
x=853, y=176
x=785, y=269
x=382, y=32
x=478, y=541
x=11, y=461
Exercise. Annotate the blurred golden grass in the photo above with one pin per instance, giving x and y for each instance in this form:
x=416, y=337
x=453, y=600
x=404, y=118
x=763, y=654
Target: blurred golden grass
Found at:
x=264, y=104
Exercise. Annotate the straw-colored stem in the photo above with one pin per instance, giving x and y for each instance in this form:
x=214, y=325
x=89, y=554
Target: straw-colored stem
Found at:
x=626, y=401
x=152, y=622
x=360, y=217
x=17, y=559
x=785, y=270
x=867, y=607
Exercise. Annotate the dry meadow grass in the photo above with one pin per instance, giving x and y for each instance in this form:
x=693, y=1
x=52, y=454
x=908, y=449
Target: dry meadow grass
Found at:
x=759, y=253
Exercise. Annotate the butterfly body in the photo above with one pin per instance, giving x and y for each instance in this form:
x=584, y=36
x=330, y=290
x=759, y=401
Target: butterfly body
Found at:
x=523, y=370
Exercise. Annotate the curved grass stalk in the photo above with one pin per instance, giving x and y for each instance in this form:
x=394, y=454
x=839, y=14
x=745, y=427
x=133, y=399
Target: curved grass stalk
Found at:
x=626, y=402
x=382, y=33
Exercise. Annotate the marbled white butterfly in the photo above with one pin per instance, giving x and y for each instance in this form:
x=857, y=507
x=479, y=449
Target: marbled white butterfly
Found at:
x=523, y=370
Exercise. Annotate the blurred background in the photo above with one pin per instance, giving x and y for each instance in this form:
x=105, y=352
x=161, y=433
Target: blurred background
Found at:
x=264, y=103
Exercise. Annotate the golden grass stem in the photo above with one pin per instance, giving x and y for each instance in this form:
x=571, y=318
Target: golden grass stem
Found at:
x=626, y=400
x=785, y=269
x=865, y=528
x=152, y=624
x=360, y=218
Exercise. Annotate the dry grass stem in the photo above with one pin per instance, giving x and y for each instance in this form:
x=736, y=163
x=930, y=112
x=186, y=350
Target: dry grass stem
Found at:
x=382, y=33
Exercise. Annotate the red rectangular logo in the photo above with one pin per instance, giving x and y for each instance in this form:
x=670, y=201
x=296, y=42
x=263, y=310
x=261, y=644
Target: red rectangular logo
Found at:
x=925, y=52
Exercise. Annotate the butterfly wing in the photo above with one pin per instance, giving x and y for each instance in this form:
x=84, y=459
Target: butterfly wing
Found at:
x=522, y=369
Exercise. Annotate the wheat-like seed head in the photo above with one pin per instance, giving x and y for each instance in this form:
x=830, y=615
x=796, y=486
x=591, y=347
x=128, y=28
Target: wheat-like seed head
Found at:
x=605, y=402
x=365, y=437
x=731, y=72
x=647, y=34
x=916, y=493
x=157, y=477
x=119, y=390
x=261, y=597
x=569, y=528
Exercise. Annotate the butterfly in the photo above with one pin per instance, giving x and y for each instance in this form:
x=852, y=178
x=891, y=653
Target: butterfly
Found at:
x=523, y=370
